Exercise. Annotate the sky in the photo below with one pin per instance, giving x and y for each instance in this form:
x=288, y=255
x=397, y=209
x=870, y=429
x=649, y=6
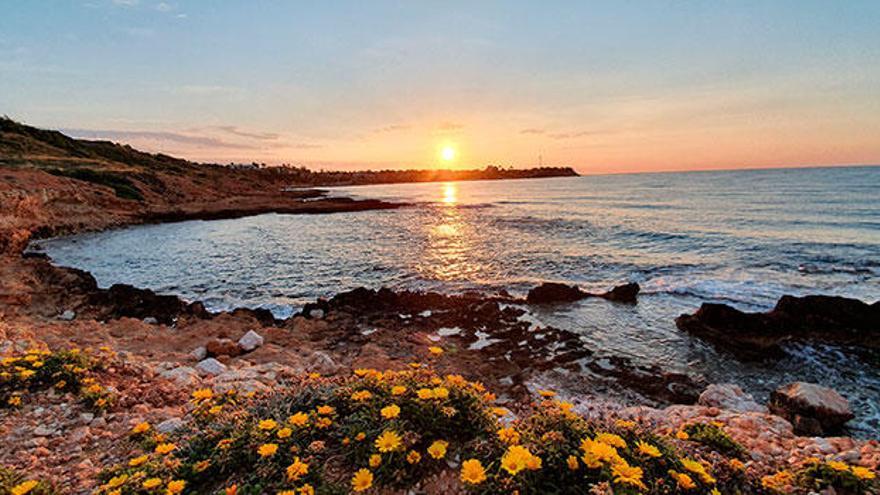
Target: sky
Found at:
x=604, y=86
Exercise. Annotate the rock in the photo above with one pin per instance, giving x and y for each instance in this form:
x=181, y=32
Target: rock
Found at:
x=321, y=362
x=199, y=353
x=67, y=315
x=826, y=319
x=86, y=417
x=812, y=409
x=211, y=366
x=623, y=293
x=250, y=341
x=222, y=347
x=729, y=397
x=316, y=313
x=552, y=292
x=170, y=425
x=43, y=431
x=151, y=321
x=183, y=376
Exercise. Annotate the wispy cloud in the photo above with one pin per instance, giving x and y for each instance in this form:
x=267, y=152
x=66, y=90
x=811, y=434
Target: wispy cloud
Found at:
x=125, y=3
x=199, y=141
x=164, y=7
x=234, y=130
x=532, y=131
x=450, y=126
x=393, y=128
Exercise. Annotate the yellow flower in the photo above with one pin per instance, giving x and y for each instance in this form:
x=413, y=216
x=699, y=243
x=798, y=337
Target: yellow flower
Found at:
x=360, y=436
x=297, y=470
x=611, y=439
x=215, y=410
x=518, y=458
x=224, y=444
x=137, y=461
x=648, y=449
x=472, y=472
x=175, y=487
x=323, y=422
x=388, y=441
x=24, y=487
x=838, y=466
x=508, y=435
x=267, y=449
x=362, y=480
x=625, y=474
x=151, y=483
x=546, y=393
x=26, y=374
x=437, y=450
x=440, y=392
x=398, y=390
x=201, y=466
x=572, y=462
x=863, y=473
x=306, y=489
x=435, y=350
x=361, y=395
x=15, y=400
x=413, y=457
x=326, y=410
x=165, y=448
x=375, y=460
x=500, y=411
x=698, y=469
x=267, y=424
x=736, y=464
x=622, y=423
x=314, y=375
x=684, y=481
x=390, y=412
x=714, y=491
x=285, y=492
x=596, y=453
x=299, y=419
x=284, y=433
x=682, y=435
x=203, y=394
x=361, y=372
x=425, y=394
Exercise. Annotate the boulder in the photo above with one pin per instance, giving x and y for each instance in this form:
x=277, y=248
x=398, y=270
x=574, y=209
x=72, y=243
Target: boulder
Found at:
x=183, y=376
x=211, y=367
x=250, y=341
x=729, y=397
x=199, y=353
x=826, y=319
x=812, y=409
x=170, y=425
x=222, y=347
x=67, y=315
x=321, y=362
x=552, y=292
x=623, y=293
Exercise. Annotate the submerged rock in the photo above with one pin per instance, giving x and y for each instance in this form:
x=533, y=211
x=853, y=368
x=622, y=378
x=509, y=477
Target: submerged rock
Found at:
x=827, y=319
x=811, y=408
x=553, y=292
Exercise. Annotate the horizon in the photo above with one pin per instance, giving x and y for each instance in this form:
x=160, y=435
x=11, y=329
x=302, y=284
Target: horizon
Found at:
x=603, y=88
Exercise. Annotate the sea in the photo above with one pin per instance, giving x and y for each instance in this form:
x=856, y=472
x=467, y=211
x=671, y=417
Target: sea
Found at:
x=742, y=238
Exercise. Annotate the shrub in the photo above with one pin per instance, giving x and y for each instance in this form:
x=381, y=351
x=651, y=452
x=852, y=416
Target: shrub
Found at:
x=121, y=185
x=712, y=436
x=394, y=430
x=15, y=483
x=38, y=370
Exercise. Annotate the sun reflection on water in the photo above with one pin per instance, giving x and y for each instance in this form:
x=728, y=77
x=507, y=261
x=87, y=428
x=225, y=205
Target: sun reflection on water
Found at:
x=450, y=193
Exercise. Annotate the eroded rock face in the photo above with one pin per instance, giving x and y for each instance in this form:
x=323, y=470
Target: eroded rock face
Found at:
x=812, y=409
x=222, y=347
x=828, y=319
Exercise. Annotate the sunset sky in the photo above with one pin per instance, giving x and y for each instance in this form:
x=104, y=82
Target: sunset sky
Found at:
x=614, y=86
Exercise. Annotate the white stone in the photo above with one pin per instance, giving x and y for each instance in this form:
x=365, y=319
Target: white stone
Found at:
x=211, y=367
x=170, y=425
x=199, y=353
x=67, y=315
x=729, y=397
x=183, y=376
x=250, y=341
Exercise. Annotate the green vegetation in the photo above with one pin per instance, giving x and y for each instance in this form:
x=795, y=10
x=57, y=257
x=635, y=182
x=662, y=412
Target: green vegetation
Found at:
x=121, y=185
x=715, y=438
x=15, y=483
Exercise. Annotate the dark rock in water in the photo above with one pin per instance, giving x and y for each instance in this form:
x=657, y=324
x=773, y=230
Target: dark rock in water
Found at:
x=812, y=409
x=827, y=319
x=623, y=293
x=262, y=315
x=123, y=300
x=552, y=292
x=651, y=381
x=222, y=347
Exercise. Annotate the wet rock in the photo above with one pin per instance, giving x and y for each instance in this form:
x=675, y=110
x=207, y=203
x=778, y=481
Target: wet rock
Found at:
x=211, y=366
x=827, y=319
x=151, y=321
x=250, y=341
x=67, y=315
x=552, y=292
x=623, y=293
x=811, y=408
x=729, y=397
x=222, y=347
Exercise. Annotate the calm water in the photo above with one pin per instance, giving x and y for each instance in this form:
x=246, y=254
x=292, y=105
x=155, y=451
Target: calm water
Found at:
x=744, y=238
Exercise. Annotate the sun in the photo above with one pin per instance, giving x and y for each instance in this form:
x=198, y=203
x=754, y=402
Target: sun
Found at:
x=447, y=153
